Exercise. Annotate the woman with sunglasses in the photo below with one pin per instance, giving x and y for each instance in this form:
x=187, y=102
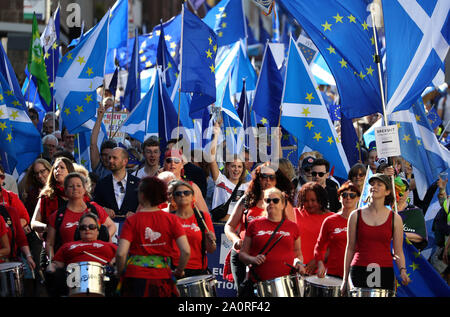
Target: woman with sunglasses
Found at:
x=87, y=248
x=173, y=162
x=248, y=208
x=146, y=246
x=198, y=227
x=310, y=214
x=333, y=234
x=370, y=231
x=64, y=231
x=283, y=252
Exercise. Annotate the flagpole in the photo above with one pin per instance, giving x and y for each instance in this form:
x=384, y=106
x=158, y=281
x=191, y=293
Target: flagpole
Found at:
x=181, y=69
x=378, y=62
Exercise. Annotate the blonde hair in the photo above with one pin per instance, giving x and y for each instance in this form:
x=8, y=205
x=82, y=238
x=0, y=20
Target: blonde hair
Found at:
x=84, y=172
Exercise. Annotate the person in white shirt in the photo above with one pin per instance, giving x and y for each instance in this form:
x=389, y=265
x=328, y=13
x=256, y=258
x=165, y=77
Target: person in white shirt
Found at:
x=152, y=153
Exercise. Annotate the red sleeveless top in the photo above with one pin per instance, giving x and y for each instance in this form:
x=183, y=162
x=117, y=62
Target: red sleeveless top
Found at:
x=373, y=243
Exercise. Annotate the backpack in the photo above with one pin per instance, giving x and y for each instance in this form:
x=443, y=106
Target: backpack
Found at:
x=103, y=231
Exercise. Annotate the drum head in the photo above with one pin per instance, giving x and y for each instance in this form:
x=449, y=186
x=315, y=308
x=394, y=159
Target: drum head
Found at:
x=194, y=279
x=10, y=265
x=326, y=281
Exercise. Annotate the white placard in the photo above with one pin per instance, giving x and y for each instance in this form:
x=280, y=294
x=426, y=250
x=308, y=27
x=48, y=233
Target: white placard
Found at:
x=386, y=138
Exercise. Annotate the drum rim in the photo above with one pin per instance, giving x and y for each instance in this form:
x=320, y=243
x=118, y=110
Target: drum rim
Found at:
x=284, y=277
x=10, y=265
x=369, y=290
x=321, y=285
x=209, y=278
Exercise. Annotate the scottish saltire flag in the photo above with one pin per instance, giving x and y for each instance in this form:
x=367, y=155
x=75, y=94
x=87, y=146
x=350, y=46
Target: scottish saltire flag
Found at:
x=225, y=64
x=227, y=19
x=19, y=138
x=133, y=87
x=83, y=67
x=143, y=120
x=322, y=72
x=182, y=103
x=433, y=118
x=31, y=95
x=198, y=55
x=269, y=88
x=232, y=124
x=419, y=145
x=425, y=281
x=305, y=115
x=341, y=31
x=276, y=38
x=417, y=42
x=369, y=135
x=243, y=110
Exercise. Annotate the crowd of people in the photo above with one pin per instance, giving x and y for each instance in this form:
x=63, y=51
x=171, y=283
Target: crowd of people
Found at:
x=279, y=220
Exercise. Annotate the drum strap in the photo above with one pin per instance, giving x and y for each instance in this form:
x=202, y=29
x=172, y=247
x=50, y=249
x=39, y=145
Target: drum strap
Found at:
x=150, y=261
x=4, y=213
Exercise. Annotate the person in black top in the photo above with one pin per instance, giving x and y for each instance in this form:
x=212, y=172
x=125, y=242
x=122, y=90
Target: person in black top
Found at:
x=320, y=171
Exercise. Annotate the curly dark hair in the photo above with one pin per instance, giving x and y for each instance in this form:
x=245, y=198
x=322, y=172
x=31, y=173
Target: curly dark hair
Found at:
x=154, y=190
x=321, y=194
x=254, y=191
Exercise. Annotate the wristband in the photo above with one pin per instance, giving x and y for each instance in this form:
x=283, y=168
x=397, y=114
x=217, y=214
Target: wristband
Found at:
x=28, y=255
x=402, y=268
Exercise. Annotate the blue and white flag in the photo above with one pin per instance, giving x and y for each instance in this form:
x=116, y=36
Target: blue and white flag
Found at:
x=227, y=19
x=19, y=138
x=305, y=115
x=417, y=42
x=133, y=87
x=419, y=146
x=83, y=68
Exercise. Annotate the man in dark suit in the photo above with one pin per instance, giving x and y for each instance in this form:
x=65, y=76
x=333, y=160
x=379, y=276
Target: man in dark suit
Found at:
x=117, y=193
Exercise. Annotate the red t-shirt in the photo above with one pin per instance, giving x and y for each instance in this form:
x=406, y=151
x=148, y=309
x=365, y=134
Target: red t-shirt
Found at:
x=3, y=231
x=11, y=199
x=194, y=235
x=73, y=252
x=253, y=213
x=260, y=230
x=309, y=226
x=151, y=233
x=373, y=244
x=71, y=219
x=333, y=236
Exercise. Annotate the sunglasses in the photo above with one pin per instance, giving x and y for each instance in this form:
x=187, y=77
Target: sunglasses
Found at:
x=321, y=174
x=181, y=193
x=86, y=227
x=269, y=176
x=359, y=175
x=269, y=200
x=351, y=195
x=173, y=160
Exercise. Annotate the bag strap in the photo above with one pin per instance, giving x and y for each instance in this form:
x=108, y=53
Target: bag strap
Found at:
x=200, y=222
x=272, y=236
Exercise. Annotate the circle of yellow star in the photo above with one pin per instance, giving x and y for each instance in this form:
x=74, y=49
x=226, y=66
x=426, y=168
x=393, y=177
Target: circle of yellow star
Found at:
x=306, y=112
x=317, y=136
x=343, y=63
x=309, y=125
x=88, y=98
x=309, y=96
x=338, y=18
x=67, y=111
x=79, y=109
x=326, y=26
x=351, y=18
x=407, y=138
x=330, y=140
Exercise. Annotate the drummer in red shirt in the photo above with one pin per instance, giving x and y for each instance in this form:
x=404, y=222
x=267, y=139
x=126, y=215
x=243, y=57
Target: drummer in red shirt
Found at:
x=75, y=190
x=143, y=257
x=309, y=217
x=88, y=248
x=285, y=253
x=198, y=227
x=5, y=249
x=333, y=234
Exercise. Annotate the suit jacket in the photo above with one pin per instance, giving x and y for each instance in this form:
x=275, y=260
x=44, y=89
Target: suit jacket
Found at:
x=104, y=194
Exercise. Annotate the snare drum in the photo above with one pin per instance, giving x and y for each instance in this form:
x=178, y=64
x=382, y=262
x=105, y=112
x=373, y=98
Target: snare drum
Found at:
x=322, y=287
x=86, y=279
x=197, y=286
x=285, y=286
x=371, y=292
x=11, y=279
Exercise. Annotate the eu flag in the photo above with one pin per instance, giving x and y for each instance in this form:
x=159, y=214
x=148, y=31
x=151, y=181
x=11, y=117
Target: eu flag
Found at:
x=165, y=60
x=433, y=118
x=227, y=19
x=198, y=55
x=425, y=281
x=133, y=88
x=83, y=68
x=269, y=88
x=340, y=30
x=305, y=116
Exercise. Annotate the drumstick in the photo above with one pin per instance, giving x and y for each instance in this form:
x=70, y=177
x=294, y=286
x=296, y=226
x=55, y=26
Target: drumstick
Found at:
x=96, y=257
x=281, y=237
